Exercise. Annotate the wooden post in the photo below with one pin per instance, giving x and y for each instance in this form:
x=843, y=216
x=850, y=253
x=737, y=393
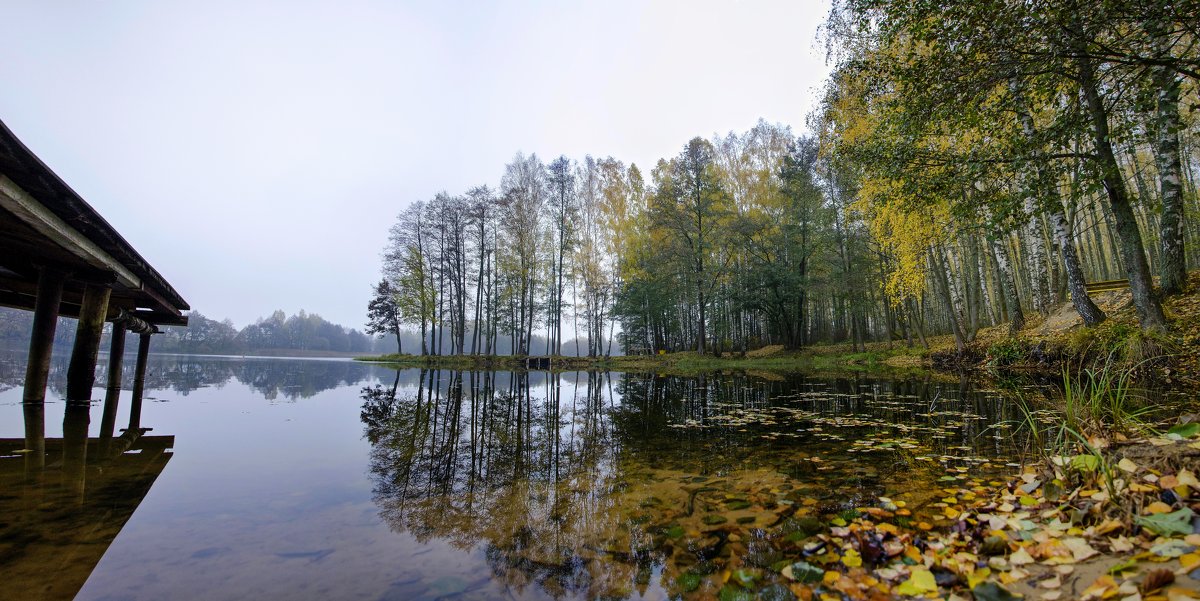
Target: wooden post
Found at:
x=112, y=396
x=75, y=440
x=41, y=341
x=35, y=438
x=81, y=373
x=139, y=382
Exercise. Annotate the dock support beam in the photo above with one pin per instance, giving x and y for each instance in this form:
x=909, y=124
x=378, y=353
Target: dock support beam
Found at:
x=41, y=342
x=139, y=382
x=35, y=439
x=81, y=373
x=112, y=396
x=37, y=370
x=75, y=443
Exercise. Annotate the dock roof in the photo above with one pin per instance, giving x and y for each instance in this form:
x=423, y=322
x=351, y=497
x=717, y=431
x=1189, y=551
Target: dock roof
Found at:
x=44, y=223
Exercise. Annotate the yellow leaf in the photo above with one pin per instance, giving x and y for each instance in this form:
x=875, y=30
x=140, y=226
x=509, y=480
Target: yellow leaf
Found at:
x=1158, y=507
x=920, y=581
x=1187, y=478
x=1127, y=466
x=1103, y=588
x=978, y=576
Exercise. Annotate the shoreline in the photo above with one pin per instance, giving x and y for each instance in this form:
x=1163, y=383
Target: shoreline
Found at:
x=1047, y=346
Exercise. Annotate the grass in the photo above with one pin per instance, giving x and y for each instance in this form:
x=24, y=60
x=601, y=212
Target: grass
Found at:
x=779, y=360
x=1096, y=406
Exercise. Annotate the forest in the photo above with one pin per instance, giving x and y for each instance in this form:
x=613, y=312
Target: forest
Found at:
x=969, y=165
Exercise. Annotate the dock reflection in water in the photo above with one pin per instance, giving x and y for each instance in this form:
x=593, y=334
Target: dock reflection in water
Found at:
x=64, y=500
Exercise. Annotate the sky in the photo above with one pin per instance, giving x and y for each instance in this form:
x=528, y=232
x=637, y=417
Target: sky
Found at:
x=255, y=153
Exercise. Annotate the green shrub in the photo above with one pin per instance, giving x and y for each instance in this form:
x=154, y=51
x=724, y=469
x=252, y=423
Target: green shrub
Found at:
x=1122, y=345
x=1007, y=352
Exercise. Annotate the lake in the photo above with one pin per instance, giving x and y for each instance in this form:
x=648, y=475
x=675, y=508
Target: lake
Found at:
x=298, y=479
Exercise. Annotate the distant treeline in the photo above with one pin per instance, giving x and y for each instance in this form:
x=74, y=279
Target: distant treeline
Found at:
x=278, y=332
x=304, y=333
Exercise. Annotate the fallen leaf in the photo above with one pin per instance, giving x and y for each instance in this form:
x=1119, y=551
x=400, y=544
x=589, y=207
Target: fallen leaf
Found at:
x=920, y=581
x=1080, y=549
x=990, y=591
x=1187, y=478
x=1102, y=588
x=1189, y=560
x=978, y=576
x=1051, y=583
x=1124, y=566
x=1159, y=506
x=1127, y=466
x=1184, y=430
x=1167, y=524
x=1156, y=580
x=1172, y=548
x=1020, y=557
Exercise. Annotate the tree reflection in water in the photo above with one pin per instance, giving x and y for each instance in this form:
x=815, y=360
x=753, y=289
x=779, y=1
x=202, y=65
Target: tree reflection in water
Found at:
x=275, y=379
x=593, y=484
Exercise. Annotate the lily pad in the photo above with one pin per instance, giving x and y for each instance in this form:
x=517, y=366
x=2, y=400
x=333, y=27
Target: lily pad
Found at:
x=733, y=593
x=746, y=576
x=688, y=582
x=775, y=592
x=802, y=571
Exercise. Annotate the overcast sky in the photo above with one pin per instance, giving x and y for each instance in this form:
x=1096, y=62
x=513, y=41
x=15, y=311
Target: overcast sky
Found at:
x=256, y=152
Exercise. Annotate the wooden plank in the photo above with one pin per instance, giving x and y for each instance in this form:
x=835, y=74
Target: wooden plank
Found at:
x=1107, y=286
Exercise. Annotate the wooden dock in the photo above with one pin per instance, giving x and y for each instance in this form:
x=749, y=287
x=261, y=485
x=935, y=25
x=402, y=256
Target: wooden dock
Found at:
x=59, y=257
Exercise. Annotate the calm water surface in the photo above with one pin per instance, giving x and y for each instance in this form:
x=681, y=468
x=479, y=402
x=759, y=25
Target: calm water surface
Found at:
x=299, y=479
